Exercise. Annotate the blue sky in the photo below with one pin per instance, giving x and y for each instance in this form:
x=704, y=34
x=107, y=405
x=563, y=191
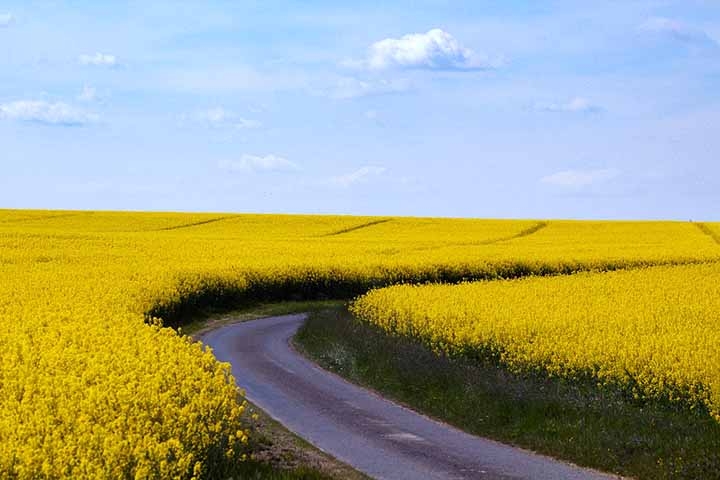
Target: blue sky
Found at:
x=556, y=109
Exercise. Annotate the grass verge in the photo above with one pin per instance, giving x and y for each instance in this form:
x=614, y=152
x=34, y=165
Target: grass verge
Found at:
x=275, y=452
x=257, y=470
x=578, y=423
x=211, y=319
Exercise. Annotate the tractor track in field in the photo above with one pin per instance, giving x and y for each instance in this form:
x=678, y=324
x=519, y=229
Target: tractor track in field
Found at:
x=493, y=241
x=194, y=224
x=357, y=227
x=707, y=231
x=359, y=427
x=522, y=233
x=46, y=217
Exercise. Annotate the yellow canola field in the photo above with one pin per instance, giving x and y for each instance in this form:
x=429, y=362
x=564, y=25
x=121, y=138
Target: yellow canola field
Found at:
x=88, y=389
x=654, y=332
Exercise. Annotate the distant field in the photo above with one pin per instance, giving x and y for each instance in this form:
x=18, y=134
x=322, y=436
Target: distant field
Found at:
x=89, y=387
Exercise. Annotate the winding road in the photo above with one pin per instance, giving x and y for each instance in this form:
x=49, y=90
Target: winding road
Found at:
x=376, y=436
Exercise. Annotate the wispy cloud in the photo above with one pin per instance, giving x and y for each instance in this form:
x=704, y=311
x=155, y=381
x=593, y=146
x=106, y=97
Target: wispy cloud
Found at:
x=88, y=94
x=6, y=19
x=219, y=117
x=360, y=175
x=232, y=79
x=98, y=59
x=434, y=50
x=677, y=30
x=48, y=113
x=575, y=105
x=580, y=178
x=255, y=163
x=350, y=87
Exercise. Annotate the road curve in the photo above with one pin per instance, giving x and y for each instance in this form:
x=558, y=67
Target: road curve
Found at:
x=376, y=436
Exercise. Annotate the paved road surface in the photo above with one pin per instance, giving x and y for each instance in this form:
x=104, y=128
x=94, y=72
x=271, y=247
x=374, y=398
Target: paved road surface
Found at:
x=374, y=435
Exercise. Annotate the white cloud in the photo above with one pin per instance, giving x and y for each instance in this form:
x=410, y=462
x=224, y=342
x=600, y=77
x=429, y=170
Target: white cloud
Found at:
x=359, y=175
x=98, y=59
x=349, y=87
x=256, y=163
x=245, y=123
x=576, y=105
x=371, y=115
x=218, y=117
x=580, y=178
x=57, y=113
x=6, y=19
x=435, y=49
x=678, y=30
x=88, y=94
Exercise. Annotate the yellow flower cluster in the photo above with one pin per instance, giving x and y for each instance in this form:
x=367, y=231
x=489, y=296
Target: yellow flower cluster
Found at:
x=90, y=389
x=653, y=332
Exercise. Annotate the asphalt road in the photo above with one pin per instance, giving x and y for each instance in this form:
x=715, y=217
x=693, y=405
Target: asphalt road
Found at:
x=376, y=436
